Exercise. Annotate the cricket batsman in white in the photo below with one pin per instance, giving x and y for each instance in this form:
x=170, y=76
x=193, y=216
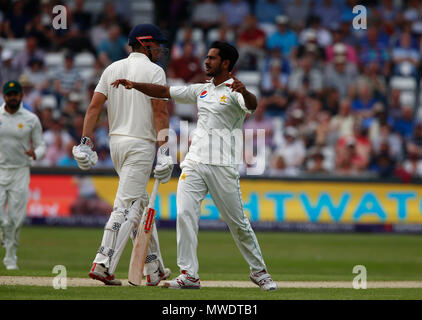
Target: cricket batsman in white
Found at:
x=134, y=121
x=222, y=103
x=20, y=140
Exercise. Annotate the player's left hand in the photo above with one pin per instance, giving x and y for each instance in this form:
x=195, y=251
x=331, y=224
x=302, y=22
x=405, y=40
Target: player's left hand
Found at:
x=84, y=155
x=164, y=166
x=126, y=83
x=236, y=85
x=31, y=153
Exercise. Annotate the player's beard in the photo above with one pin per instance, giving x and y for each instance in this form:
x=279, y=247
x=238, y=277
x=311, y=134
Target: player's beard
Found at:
x=13, y=104
x=215, y=72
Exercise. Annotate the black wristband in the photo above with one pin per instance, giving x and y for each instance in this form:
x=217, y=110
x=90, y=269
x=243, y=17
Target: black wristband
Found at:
x=87, y=141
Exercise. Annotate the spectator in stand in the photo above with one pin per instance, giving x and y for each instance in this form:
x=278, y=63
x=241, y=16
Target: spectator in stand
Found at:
x=259, y=121
x=339, y=46
x=316, y=162
x=66, y=157
x=298, y=12
x=404, y=125
x=77, y=41
x=9, y=70
x=414, y=143
x=81, y=18
x=222, y=33
x=352, y=154
x=328, y=11
x=37, y=74
x=205, y=15
x=383, y=163
x=114, y=48
x=67, y=78
x=373, y=77
x=343, y=122
x=21, y=60
x=309, y=46
x=76, y=126
x=305, y=78
x=37, y=29
x=266, y=11
x=234, y=12
x=274, y=80
x=331, y=100
x=413, y=165
x=387, y=136
x=251, y=44
x=362, y=145
x=16, y=20
x=405, y=58
x=364, y=101
x=187, y=67
x=394, y=104
x=348, y=34
x=293, y=151
x=99, y=32
x=323, y=37
x=47, y=111
x=187, y=36
x=374, y=48
x=31, y=96
x=340, y=75
x=284, y=38
x=110, y=14
x=413, y=11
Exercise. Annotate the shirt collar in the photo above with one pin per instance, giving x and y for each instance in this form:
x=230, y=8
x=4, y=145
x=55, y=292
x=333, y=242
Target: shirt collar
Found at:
x=228, y=81
x=4, y=112
x=137, y=55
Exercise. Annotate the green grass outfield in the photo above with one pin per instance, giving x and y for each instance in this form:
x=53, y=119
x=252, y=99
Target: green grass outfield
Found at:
x=289, y=257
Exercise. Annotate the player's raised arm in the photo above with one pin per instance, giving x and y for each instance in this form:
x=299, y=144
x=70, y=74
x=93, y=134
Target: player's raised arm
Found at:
x=150, y=89
x=238, y=86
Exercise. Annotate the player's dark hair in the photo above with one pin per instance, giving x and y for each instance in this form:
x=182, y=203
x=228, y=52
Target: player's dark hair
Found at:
x=136, y=46
x=226, y=52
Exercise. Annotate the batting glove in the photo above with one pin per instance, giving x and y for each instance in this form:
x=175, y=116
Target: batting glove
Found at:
x=84, y=155
x=164, y=166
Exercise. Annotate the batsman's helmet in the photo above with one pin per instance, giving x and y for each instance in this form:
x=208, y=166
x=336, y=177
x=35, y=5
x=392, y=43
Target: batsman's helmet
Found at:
x=146, y=32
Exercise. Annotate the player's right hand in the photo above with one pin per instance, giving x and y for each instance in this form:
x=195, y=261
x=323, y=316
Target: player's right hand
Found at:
x=84, y=156
x=164, y=166
x=126, y=83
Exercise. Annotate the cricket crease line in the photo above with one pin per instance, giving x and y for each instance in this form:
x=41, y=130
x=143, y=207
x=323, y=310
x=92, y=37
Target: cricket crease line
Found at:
x=86, y=282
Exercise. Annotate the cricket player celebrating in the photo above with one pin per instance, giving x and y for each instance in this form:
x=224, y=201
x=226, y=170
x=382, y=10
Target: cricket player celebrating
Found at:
x=20, y=139
x=223, y=103
x=134, y=121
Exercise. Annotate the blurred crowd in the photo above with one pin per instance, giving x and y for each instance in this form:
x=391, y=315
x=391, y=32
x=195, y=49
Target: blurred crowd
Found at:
x=326, y=94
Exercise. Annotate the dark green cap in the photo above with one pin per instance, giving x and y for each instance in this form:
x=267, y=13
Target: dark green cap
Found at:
x=12, y=86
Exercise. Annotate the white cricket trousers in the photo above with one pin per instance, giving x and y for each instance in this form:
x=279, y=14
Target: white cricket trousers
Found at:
x=222, y=182
x=132, y=159
x=14, y=195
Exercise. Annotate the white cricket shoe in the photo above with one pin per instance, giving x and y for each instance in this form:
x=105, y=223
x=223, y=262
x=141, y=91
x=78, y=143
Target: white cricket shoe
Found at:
x=12, y=267
x=263, y=280
x=99, y=272
x=154, y=278
x=184, y=281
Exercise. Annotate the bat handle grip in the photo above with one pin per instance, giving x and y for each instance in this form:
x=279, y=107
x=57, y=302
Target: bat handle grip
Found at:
x=153, y=194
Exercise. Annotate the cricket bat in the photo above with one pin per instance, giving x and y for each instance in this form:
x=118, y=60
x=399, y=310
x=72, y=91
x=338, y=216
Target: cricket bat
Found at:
x=143, y=237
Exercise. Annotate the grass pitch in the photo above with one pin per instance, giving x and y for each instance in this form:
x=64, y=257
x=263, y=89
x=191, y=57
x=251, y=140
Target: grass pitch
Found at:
x=289, y=257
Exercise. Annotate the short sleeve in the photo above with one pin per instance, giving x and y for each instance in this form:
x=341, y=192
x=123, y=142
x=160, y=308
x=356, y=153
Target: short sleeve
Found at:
x=186, y=94
x=159, y=77
x=103, y=85
x=239, y=101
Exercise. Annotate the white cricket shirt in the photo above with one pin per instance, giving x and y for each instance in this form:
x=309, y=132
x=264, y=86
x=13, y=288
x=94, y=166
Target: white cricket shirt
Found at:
x=130, y=112
x=218, y=137
x=16, y=133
